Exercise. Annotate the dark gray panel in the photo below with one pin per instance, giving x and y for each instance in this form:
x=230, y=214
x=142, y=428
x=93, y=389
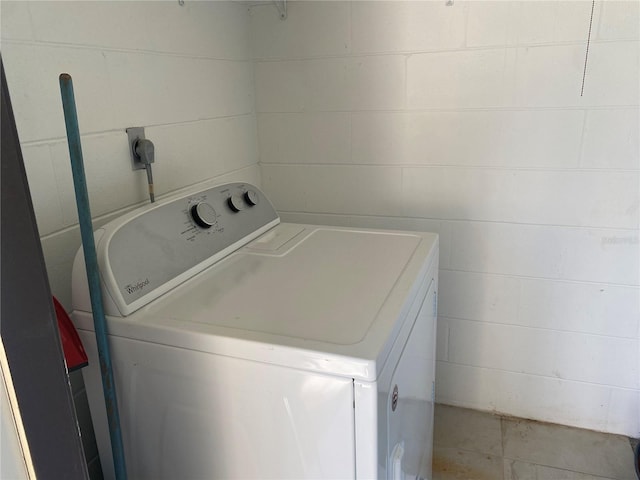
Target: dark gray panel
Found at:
x=95, y=469
x=86, y=426
x=29, y=330
x=77, y=382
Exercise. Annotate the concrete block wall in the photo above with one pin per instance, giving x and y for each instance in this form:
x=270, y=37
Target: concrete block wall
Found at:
x=468, y=120
x=465, y=120
x=183, y=72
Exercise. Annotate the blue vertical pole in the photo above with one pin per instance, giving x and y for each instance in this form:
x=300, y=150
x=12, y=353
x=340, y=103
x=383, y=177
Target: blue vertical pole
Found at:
x=91, y=263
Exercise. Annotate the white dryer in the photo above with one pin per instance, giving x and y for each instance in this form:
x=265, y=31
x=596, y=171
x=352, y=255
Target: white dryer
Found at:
x=248, y=348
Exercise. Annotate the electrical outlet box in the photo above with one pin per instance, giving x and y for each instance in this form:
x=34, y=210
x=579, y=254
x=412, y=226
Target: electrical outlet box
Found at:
x=135, y=133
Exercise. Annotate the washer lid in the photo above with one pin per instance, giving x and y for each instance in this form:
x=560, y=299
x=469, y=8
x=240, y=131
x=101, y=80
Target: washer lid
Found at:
x=328, y=287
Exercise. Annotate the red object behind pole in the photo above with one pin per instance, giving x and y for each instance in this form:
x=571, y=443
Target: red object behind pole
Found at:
x=74, y=354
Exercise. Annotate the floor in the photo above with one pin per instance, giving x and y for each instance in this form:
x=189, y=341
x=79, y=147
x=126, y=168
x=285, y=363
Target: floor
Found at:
x=472, y=445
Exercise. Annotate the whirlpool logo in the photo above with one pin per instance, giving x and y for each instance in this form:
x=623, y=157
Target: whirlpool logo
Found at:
x=136, y=287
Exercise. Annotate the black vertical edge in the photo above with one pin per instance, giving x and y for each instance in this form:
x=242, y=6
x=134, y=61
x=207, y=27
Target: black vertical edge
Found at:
x=28, y=324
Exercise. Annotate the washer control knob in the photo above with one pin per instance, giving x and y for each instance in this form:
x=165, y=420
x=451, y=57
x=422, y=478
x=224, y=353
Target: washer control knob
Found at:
x=203, y=214
x=236, y=202
x=251, y=198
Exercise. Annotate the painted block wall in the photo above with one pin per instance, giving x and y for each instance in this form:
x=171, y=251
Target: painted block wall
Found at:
x=468, y=120
x=183, y=72
x=463, y=120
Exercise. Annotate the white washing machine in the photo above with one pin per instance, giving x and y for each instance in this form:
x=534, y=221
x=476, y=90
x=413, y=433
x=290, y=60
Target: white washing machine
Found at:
x=248, y=348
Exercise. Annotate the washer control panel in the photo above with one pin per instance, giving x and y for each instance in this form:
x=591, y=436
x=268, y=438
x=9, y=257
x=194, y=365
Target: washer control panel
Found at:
x=156, y=247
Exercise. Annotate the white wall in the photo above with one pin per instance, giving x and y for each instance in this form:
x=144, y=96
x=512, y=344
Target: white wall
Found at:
x=467, y=120
x=185, y=73
x=464, y=120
